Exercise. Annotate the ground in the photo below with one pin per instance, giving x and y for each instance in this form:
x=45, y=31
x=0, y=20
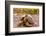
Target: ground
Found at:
x=16, y=19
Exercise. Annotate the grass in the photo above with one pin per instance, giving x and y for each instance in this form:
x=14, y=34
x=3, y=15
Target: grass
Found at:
x=31, y=11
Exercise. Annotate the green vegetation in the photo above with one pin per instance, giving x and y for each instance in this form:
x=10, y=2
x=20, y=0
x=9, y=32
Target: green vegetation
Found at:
x=26, y=11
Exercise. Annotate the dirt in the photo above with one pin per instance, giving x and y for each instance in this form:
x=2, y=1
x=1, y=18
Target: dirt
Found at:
x=16, y=20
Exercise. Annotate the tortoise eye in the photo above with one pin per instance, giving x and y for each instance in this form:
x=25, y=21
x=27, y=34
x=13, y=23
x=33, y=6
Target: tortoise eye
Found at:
x=22, y=18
